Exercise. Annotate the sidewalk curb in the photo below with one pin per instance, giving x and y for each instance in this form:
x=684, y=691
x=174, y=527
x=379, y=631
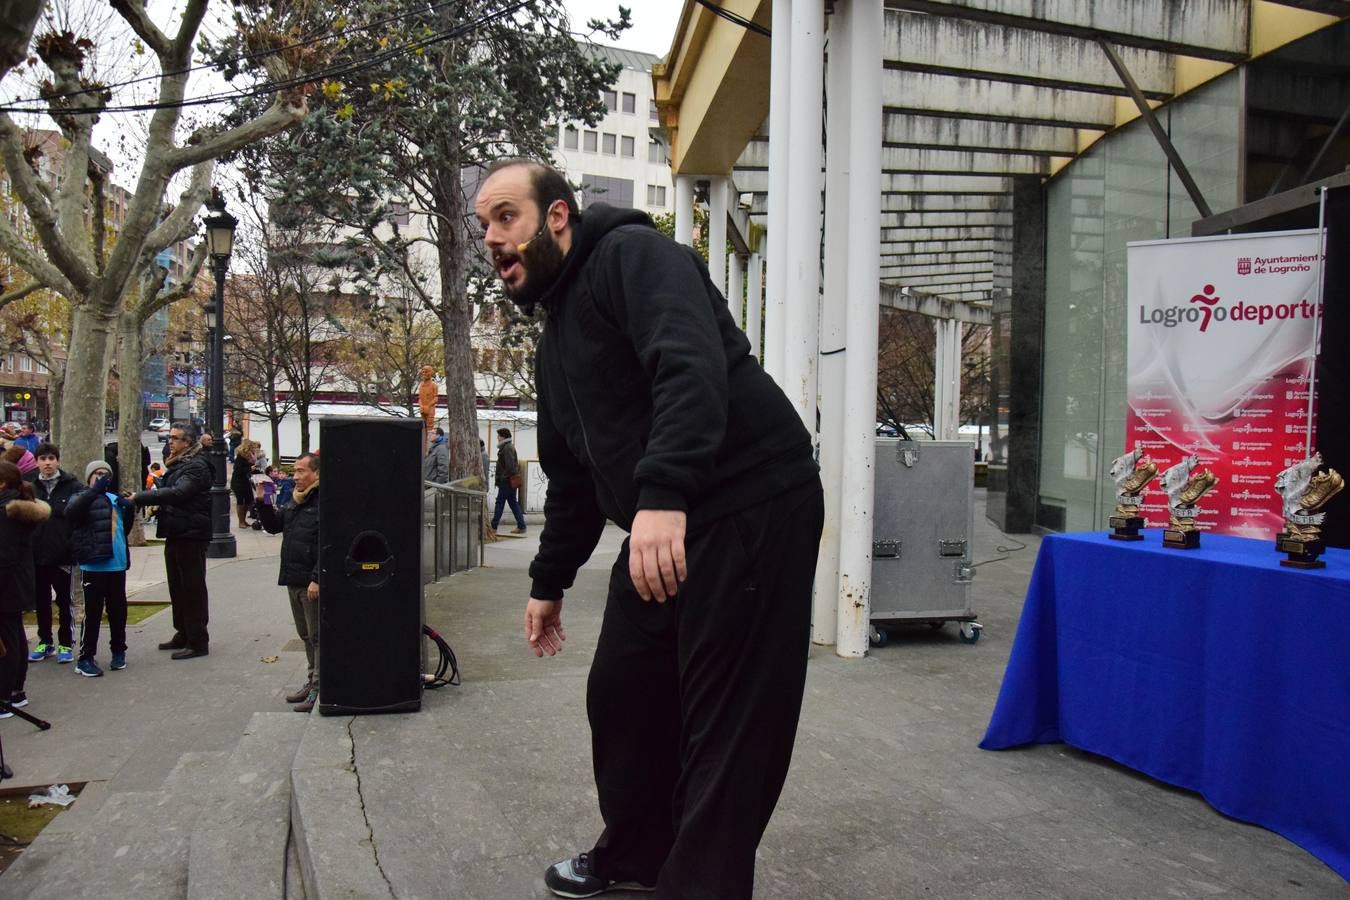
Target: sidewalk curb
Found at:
x=329, y=827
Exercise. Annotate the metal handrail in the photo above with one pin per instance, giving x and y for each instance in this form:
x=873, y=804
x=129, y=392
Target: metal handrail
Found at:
x=452, y=530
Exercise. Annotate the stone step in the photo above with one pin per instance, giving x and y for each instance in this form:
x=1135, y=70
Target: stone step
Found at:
x=133, y=843
x=330, y=831
x=239, y=843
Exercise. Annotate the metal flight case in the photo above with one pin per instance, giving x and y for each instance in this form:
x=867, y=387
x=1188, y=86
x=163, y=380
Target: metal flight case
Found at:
x=923, y=527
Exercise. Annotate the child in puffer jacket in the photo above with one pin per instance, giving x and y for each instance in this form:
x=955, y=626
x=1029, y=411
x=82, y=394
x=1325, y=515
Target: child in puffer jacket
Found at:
x=101, y=520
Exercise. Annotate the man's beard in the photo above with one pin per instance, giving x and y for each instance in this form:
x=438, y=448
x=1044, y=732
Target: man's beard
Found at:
x=541, y=262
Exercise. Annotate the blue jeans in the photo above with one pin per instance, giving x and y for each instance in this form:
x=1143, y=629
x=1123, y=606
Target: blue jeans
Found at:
x=507, y=495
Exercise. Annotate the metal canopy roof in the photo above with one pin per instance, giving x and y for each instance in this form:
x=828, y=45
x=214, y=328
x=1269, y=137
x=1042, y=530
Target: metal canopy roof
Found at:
x=975, y=93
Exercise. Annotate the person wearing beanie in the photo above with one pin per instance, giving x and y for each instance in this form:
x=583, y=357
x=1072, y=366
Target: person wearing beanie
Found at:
x=101, y=521
x=53, y=556
x=21, y=457
x=508, y=480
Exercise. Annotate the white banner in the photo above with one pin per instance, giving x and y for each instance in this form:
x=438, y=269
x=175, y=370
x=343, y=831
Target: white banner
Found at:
x=1220, y=346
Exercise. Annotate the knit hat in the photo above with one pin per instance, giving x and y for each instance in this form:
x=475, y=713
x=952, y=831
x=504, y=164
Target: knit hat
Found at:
x=94, y=467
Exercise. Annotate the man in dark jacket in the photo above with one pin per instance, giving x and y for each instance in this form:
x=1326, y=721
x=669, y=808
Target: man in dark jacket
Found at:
x=652, y=413
x=508, y=467
x=53, y=556
x=436, y=464
x=298, y=522
x=184, y=522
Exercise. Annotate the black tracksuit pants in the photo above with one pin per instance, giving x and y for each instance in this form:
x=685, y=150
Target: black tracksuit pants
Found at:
x=693, y=703
x=53, y=583
x=14, y=664
x=104, y=590
x=185, y=565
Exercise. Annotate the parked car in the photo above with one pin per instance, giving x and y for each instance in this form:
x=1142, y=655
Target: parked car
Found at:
x=158, y=423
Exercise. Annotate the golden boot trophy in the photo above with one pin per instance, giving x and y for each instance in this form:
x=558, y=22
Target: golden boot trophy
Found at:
x=1132, y=473
x=1304, y=492
x=1185, y=485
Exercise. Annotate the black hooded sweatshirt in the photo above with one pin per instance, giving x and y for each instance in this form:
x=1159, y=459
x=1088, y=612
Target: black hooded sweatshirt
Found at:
x=648, y=396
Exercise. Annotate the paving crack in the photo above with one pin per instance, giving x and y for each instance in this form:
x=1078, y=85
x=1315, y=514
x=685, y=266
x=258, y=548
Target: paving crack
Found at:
x=365, y=817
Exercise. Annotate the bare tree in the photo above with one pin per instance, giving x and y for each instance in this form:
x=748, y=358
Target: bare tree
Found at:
x=256, y=317
x=388, y=343
x=83, y=265
x=906, y=347
x=504, y=340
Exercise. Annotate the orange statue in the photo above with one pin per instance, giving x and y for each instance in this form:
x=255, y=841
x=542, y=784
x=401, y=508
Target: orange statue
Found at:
x=426, y=399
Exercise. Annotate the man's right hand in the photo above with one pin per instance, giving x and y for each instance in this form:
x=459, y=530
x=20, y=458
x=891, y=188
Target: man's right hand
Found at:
x=543, y=626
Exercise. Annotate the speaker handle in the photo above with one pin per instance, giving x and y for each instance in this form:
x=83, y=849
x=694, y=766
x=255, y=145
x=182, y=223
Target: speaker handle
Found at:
x=368, y=563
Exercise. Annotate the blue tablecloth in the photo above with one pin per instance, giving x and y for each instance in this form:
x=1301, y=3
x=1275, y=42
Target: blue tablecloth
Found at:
x=1215, y=669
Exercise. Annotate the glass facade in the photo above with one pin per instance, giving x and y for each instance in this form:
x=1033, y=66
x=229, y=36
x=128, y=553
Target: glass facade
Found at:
x=1121, y=190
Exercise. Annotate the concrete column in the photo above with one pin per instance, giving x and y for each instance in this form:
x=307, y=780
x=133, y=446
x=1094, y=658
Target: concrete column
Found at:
x=1017, y=486
x=754, y=297
x=684, y=209
x=780, y=73
x=718, y=187
x=802, y=318
x=834, y=297
x=866, y=28
x=947, y=380
x=736, y=289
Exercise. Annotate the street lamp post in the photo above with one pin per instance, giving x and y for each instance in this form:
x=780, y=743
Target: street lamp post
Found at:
x=220, y=244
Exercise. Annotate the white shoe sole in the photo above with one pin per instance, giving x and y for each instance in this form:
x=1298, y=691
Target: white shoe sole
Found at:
x=632, y=886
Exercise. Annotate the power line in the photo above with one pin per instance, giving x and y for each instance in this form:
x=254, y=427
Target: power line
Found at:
x=734, y=17
x=277, y=86
x=245, y=57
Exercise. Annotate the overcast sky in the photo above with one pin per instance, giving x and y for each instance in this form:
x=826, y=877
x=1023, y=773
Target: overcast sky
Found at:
x=653, y=21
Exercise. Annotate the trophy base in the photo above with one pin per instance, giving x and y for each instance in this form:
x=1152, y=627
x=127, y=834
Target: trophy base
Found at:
x=1181, y=540
x=1126, y=528
x=1301, y=554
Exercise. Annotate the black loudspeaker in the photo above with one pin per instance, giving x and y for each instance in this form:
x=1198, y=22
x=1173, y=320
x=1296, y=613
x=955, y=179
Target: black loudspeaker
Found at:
x=370, y=566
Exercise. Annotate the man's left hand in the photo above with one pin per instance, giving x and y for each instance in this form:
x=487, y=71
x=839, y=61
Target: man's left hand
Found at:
x=656, y=553
x=312, y=592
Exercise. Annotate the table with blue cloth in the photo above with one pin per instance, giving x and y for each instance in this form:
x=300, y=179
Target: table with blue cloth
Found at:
x=1216, y=670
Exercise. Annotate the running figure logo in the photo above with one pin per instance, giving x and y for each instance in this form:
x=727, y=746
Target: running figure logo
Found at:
x=1208, y=304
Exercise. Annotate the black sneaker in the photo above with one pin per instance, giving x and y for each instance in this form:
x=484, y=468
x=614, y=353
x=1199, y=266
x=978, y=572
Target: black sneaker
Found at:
x=574, y=878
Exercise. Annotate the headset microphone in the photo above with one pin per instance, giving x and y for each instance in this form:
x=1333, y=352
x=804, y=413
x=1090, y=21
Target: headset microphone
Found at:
x=520, y=248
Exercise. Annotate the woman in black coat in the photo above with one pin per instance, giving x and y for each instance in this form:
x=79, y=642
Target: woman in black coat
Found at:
x=20, y=513
x=241, y=483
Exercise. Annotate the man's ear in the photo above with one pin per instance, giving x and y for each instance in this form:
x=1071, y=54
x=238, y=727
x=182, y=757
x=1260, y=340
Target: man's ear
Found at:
x=558, y=216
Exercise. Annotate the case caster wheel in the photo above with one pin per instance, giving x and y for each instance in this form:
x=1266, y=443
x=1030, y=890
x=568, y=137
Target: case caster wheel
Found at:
x=970, y=632
x=878, y=637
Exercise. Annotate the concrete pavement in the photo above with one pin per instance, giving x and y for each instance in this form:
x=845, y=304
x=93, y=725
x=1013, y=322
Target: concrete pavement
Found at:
x=888, y=795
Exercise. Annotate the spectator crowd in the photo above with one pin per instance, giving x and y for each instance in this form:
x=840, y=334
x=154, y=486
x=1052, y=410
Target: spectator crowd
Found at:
x=57, y=526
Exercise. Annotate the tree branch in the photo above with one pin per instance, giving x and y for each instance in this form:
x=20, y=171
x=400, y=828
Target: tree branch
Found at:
x=61, y=254
x=19, y=293
x=16, y=31
x=276, y=119
x=180, y=224
x=187, y=29
x=133, y=11
x=40, y=269
x=162, y=298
